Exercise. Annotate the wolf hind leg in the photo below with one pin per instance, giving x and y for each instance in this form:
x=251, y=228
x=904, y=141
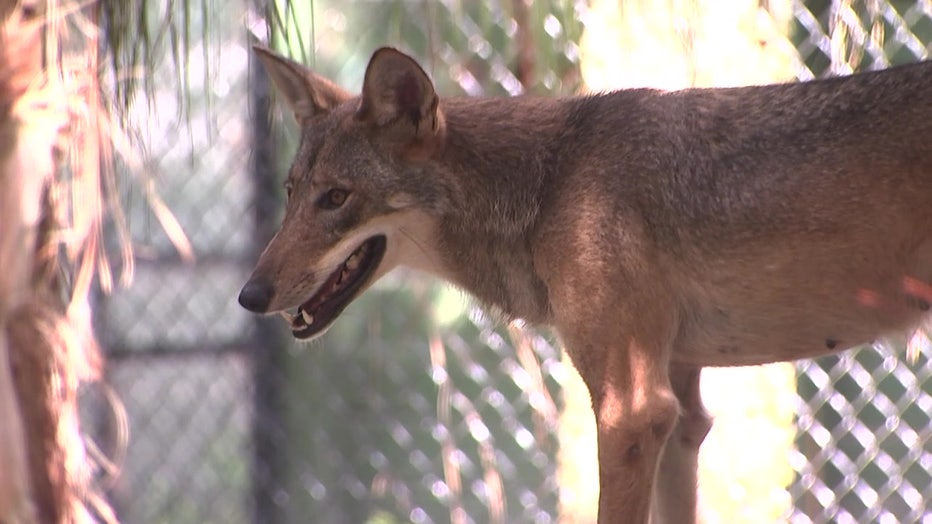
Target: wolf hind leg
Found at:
x=675, y=498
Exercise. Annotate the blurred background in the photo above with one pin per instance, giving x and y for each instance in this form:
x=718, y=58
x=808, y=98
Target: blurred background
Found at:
x=417, y=406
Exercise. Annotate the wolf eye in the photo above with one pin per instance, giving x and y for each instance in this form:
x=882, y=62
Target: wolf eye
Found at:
x=334, y=198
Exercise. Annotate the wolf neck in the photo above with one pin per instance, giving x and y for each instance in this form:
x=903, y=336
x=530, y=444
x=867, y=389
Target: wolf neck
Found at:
x=497, y=158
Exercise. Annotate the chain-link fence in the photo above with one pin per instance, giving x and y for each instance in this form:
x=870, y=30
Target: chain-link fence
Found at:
x=416, y=406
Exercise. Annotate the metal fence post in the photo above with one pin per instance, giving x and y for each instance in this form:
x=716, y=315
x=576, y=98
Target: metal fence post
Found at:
x=268, y=345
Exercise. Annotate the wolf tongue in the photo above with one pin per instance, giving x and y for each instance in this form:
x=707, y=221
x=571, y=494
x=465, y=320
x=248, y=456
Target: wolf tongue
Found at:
x=332, y=288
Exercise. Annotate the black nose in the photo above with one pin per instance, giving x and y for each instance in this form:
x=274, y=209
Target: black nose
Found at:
x=256, y=295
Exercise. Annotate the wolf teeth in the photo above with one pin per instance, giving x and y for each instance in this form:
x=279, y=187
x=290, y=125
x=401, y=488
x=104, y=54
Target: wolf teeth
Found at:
x=287, y=316
x=352, y=262
x=307, y=317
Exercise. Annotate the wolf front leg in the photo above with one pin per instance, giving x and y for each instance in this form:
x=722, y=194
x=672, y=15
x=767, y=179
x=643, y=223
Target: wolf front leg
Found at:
x=675, y=500
x=636, y=410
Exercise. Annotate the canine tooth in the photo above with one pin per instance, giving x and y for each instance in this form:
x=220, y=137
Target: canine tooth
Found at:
x=352, y=262
x=287, y=316
x=308, y=318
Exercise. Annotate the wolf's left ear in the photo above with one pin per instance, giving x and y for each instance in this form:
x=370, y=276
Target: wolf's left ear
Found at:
x=397, y=93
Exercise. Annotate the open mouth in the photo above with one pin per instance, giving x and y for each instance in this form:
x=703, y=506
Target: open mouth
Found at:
x=338, y=290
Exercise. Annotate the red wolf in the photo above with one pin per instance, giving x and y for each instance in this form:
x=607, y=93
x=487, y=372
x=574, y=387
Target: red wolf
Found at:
x=658, y=232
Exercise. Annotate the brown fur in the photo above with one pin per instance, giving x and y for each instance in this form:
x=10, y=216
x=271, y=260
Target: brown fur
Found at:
x=658, y=232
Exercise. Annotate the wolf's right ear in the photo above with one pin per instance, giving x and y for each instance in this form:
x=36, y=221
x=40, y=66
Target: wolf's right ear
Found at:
x=307, y=93
x=398, y=97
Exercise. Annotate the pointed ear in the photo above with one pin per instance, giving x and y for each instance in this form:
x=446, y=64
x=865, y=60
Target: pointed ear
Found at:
x=396, y=92
x=307, y=94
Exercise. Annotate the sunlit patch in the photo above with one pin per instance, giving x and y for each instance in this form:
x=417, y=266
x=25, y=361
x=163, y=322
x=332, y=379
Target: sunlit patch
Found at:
x=918, y=289
x=868, y=298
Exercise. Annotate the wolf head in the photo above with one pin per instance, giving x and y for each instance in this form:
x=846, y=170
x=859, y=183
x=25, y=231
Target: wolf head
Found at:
x=355, y=211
